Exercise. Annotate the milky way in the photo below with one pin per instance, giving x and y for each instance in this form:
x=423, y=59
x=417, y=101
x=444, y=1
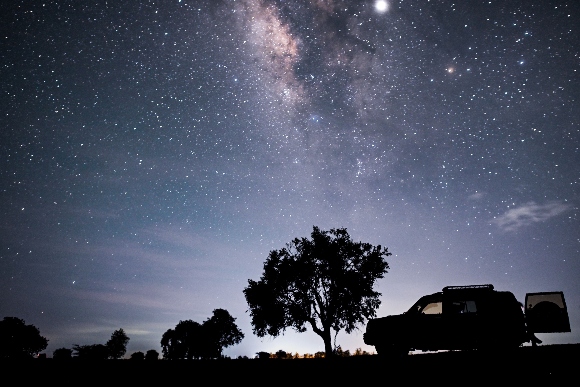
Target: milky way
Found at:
x=152, y=154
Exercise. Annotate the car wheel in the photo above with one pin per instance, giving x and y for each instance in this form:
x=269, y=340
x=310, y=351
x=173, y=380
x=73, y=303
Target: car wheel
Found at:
x=392, y=351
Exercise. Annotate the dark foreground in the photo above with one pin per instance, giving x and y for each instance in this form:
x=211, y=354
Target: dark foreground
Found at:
x=552, y=363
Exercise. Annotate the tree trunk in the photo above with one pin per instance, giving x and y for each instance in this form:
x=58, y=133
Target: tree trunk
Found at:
x=326, y=337
x=327, y=343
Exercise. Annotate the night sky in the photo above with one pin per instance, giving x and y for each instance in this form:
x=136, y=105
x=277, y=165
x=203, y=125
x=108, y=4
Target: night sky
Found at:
x=152, y=153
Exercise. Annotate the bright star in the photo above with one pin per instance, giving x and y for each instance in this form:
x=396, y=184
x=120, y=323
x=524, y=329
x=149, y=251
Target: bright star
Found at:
x=381, y=6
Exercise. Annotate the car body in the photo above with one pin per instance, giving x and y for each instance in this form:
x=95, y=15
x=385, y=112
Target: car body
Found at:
x=466, y=317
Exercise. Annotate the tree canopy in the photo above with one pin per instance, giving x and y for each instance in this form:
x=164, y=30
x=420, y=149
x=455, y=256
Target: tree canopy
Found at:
x=183, y=342
x=221, y=331
x=18, y=340
x=117, y=344
x=191, y=340
x=325, y=282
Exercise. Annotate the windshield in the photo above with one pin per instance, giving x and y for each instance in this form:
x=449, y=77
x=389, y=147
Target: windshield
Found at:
x=431, y=304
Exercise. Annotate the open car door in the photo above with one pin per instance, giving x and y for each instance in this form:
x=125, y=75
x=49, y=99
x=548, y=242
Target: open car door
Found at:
x=546, y=312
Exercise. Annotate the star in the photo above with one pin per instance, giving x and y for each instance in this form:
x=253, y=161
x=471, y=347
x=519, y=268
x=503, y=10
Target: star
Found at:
x=382, y=6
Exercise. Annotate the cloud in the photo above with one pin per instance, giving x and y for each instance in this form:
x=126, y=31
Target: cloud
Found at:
x=530, y=213
x=476, y=196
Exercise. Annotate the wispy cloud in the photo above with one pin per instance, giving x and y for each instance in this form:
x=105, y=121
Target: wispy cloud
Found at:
x=530, y=213
x=476, y=196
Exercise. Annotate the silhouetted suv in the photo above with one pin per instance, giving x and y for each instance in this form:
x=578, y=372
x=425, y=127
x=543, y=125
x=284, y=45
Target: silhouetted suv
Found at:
x=468, y=317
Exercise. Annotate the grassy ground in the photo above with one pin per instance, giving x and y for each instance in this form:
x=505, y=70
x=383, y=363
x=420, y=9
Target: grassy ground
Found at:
x=552, y=364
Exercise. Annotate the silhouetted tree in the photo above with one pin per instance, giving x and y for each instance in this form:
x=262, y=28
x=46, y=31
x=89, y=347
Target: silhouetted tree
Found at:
x=263, y=355
x=326, y=282
x=281, y=354
x=169, y=344
x=152, y=355
x=221, y=331
x=117, y=344
x=191, y=340
x=186, y=341
x=91, y=352
x=18, y=340
x=137, y=356
x=62, y=354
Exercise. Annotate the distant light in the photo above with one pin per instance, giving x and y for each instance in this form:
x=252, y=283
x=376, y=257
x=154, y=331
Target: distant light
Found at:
x=381, y=6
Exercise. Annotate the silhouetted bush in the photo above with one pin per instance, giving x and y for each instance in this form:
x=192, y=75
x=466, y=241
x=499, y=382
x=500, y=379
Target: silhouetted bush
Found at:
x=152, y=355
x=340, y=353
x=91, y=352
x=62, y=354
x=18, y=340
x=115, y=348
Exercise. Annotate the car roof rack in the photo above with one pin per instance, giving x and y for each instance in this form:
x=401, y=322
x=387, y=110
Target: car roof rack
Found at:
x=468, y=287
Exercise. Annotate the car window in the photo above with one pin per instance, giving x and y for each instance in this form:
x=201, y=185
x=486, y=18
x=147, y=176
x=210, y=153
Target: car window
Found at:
x=432, y=308
x=458, y=307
